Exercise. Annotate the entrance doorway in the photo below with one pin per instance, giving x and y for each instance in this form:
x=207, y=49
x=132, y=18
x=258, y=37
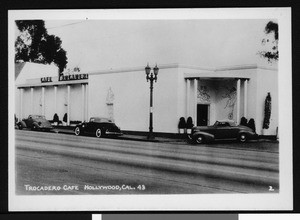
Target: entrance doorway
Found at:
x=202, y=115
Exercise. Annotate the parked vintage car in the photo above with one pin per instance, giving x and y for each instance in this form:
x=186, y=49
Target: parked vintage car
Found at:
x=99, y=127
x=35, y=122
x=222, y=129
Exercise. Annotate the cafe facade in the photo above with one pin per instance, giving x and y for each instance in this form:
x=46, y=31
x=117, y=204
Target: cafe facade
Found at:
x=123, y=95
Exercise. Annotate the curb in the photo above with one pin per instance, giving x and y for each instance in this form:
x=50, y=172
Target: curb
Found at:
x=69, y=130
x=144, y=139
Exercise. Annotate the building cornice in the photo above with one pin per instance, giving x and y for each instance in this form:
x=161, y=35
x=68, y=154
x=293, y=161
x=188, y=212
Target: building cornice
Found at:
x=243, y=67
x=178, y=65
x=132, y=69
x=59, y=83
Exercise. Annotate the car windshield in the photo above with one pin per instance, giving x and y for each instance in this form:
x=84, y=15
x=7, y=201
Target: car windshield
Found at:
x=100, y=120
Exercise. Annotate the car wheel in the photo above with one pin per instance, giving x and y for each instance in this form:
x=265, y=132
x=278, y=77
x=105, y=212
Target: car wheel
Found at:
x=199, y=139
x=98, y=133
x=243, y=138
x=33, y=128
x=20, y=126
x=77, y=131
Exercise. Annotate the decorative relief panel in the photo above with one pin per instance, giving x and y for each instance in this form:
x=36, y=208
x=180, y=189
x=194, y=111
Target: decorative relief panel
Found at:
x=203, y=94
x=230, y=95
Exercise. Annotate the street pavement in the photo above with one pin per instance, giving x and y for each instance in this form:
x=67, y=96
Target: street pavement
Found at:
x=56, y=163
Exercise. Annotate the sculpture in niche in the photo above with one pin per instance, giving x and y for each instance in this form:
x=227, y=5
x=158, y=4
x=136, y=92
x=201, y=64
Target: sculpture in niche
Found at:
x=41, y=100
x=110, y=103
x=110, y=96
x=66, y=98
x=230, y=95
x=203, y=94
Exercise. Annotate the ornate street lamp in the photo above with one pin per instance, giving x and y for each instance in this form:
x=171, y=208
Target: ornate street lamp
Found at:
x=151, y=77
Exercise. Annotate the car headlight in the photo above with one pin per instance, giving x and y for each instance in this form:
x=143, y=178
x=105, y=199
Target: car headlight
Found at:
x=83, y=126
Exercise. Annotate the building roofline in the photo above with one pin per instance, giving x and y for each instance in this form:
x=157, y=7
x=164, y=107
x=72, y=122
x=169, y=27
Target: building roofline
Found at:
x=59, y=83
x=178, y=65
x=133, y=69
x=246, y=66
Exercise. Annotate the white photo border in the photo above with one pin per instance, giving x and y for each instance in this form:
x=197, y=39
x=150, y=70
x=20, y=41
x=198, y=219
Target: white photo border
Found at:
x=201, y=202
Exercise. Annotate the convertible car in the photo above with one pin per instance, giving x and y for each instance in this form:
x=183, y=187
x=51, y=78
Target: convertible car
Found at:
x=35, y=122
x=224, y=129
x=99, y=127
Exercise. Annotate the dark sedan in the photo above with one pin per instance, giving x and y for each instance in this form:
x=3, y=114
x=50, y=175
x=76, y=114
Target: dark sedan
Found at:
x=35, y=122
x=225, y=129
x=99, y=127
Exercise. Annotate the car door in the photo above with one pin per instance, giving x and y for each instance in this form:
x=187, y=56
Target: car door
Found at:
x=222, y=130
x=29, y=121
x=90, y=126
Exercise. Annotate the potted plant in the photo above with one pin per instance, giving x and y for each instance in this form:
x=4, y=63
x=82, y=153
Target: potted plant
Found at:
x=189, y=125
x=251, y=124
x=65, y=119
x=243, y=121
x=55, y=119
x=267, y=113
x=181, y=125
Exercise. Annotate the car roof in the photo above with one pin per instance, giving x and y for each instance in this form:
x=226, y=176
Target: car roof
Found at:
x=37, y=116
x=101, y=119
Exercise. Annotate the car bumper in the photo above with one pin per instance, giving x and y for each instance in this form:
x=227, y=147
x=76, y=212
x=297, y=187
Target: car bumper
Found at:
x=46, y=128
x=113, y=133
x=252, y=136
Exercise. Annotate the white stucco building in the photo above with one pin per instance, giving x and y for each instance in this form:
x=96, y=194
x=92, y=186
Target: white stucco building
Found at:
x=205, y=94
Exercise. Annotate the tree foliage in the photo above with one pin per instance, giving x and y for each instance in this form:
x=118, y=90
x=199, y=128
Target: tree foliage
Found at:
x=272, y=53
x=266, y=122
x=34, y=44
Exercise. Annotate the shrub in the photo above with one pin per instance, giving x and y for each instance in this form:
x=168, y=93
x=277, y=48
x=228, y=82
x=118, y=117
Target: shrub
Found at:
x=55, y=118
x=65, y=118
x=243, y=121
x=266, y=122
x=251, y=124
x=181, y=123
x=189, y=123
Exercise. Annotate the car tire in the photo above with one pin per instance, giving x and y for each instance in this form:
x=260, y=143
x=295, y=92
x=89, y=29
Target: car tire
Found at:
x=242, y=137
x=20, y=126
x=33, y=128
x=199, y=139
x=98, y=133
x=77, y=131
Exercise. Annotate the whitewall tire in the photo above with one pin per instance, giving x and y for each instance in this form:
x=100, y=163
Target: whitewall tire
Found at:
x=98, y=133
x=243, y=138
x=199, y=139
x=77, y=131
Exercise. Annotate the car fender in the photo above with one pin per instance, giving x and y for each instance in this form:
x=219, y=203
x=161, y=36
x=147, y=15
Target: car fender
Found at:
x=207, y=136
x=82, y=127
x=22, y=125
x=250, y=134
x=36, y=124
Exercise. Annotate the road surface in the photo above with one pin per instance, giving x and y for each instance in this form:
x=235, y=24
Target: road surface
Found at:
x=54, y=163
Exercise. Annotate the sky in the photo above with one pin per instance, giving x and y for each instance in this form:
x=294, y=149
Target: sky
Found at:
x=108, y=44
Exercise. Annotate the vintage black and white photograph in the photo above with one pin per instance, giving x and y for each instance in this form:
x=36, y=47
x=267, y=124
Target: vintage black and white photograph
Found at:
x=179, y=109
